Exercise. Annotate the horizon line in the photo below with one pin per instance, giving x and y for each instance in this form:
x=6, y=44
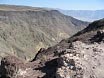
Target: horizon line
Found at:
x=50, y=7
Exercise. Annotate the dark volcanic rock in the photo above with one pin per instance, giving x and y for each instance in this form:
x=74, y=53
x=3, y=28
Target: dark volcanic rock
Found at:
x=98, y=37
x=12, y=67
x=89, y=32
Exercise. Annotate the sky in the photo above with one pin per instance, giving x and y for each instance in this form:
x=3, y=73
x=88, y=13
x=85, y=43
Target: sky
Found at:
x=60, y=4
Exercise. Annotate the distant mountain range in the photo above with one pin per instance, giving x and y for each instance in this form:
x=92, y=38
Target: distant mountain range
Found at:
x=85, y=15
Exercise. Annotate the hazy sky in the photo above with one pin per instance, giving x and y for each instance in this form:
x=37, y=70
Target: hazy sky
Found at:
x=62, y=4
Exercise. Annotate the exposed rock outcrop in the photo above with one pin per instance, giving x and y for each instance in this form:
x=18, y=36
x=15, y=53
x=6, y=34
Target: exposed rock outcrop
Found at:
x=13, y=67
x=80, y=56
x=83, y=61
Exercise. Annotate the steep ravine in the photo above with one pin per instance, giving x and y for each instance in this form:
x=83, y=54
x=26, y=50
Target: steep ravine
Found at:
x=24, y=30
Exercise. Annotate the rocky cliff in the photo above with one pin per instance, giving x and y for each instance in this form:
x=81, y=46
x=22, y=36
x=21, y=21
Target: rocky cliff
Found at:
x=80, y=56
x=24, y=30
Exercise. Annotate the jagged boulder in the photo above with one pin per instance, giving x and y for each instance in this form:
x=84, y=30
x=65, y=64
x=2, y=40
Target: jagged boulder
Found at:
x=12, y=67
x=99, y=37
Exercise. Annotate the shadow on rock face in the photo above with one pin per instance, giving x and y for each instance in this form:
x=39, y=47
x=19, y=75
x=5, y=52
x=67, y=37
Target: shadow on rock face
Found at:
x=4, y=77
x=49, y=68
x=98, y=37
